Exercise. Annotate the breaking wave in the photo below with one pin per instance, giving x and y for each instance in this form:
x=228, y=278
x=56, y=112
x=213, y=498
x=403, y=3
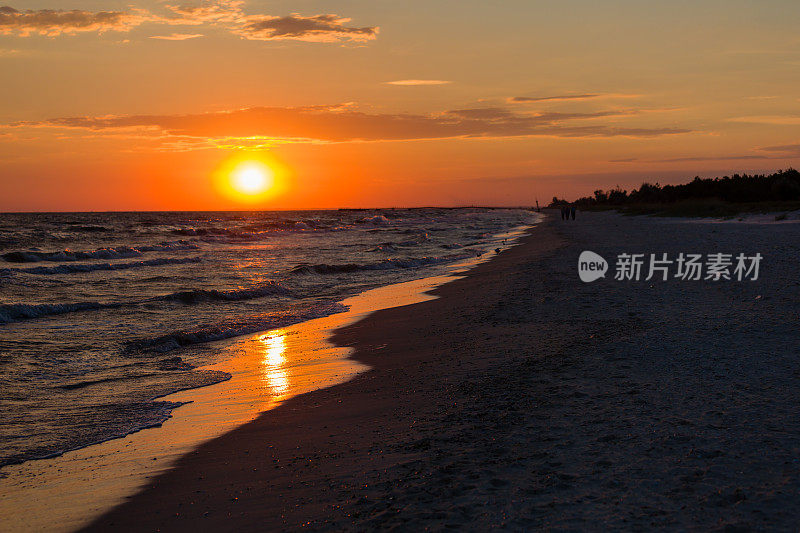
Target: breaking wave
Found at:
x=377, y=220
x=250, y=232
x=121, y=252
x=90, y=267
x=194, y=296
x=387, y=264
x=215, y=332
x=14, y=312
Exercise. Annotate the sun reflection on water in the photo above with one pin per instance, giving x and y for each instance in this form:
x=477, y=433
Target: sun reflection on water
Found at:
x=276, y=378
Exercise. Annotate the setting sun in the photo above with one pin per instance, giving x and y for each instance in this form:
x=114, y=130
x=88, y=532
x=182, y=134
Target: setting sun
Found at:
x=252, y=178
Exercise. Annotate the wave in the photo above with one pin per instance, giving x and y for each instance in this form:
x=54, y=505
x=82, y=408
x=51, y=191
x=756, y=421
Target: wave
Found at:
x=194, y=296
x=90, y=267
x=421, y=237
x=172, y=364
x=377, y=220
x=90, y=382
x=385, y=247
x=322, y=268
x=250, y=232
x=68, y=255
x=200, y=232
x=387, y=264
x=216, y=332
x=14, y=312
x=181, y=245
x=90, y=229
x=121, y=252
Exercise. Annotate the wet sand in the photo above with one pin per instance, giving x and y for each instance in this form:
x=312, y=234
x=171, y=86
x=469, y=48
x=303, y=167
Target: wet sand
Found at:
x=522, y=398
x=64, y=493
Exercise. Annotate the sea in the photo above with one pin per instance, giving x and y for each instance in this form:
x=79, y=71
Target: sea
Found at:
x=103, y=314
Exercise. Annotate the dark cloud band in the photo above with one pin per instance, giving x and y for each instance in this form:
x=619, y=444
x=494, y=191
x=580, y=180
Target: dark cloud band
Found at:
x=54, y=22
x=227, y=14
x=344, y=124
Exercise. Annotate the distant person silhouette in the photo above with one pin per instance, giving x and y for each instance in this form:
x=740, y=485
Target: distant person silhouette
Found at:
x=572, y=212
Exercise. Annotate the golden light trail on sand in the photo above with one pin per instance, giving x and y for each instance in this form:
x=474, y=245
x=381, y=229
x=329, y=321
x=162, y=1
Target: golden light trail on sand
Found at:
x=275, y=375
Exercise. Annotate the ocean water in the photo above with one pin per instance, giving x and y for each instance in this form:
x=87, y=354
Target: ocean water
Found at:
x=101, y=314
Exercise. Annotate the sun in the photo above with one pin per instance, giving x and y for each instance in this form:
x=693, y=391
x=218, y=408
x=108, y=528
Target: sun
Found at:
x=252, y=178
x=249, y=178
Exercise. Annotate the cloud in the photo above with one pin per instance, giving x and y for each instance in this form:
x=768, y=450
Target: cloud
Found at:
x=317, y=28
x=220, y=11
x=781, y=120
x=486, y=113
x=343, y=123
x=177, y=36
x=522, y=99
x=711, y=158
x=565, y=97
x=53, y=22
x=746, y=157
x=418, y=82
x=260, y=27
x=504, y=114
x=226, y=14
x=791, y=150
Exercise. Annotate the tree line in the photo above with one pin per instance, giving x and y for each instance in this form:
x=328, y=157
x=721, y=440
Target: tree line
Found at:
x=783, y=185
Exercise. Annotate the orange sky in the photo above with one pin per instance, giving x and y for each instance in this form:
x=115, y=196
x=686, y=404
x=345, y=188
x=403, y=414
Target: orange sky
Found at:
x=108, y=105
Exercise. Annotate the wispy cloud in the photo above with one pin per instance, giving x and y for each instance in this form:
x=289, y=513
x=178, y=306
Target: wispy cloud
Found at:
x=177, y=36
x=567, y=97
x=219, y=11
x=418, y=82
x=317, y=28
x=505, y=114
x=262, y=27
x=53, y=22
x=781, y=120
x=226, y=14
x=523, y=99
x=738, y=157
x=792, y=150
x=343, y=123
x=711, y=158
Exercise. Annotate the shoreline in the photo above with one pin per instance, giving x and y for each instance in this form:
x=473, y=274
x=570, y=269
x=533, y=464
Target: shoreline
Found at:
x=230, y=464
x=267, y=368
x=523, y=398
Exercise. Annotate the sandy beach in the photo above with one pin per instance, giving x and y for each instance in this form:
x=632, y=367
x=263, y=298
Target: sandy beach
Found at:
x=413, y=266
x=523, y=398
